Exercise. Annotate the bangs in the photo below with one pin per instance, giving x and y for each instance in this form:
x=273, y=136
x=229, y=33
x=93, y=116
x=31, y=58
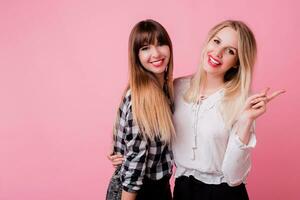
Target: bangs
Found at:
x=150, y=36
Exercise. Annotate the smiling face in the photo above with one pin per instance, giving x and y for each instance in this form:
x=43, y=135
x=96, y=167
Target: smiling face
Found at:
x=221, y=52
x=150, y=55
x=155, y=57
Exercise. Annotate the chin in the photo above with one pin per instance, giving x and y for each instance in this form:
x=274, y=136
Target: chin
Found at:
x=158, y=71
x=208, y=68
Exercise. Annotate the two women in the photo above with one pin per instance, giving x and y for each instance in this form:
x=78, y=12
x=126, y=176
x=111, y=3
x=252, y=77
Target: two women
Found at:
x=214, y=117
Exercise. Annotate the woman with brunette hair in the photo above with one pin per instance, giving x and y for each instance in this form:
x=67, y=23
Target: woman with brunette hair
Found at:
x=144, y=128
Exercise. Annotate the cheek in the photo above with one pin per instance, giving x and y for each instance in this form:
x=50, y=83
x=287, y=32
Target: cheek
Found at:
x=143, y=58
x=231, y=61
x=209, y=47
x=166, y=52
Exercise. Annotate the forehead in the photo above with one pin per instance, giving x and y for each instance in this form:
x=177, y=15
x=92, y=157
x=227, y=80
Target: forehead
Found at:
x=228, y=36
x=149, y=38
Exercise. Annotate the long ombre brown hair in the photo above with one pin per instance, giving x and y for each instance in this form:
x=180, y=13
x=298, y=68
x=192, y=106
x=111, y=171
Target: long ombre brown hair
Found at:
x=151, y=104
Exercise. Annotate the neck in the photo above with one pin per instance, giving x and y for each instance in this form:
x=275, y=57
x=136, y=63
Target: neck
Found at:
x=212, y=84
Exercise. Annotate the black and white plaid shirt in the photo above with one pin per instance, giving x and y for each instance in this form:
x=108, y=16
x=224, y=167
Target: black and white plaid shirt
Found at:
x=143, y=157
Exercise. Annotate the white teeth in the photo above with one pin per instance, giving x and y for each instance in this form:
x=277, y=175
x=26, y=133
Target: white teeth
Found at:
x=214, y=61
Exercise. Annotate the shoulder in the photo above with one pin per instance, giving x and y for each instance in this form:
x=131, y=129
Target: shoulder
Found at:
x=182, y=79
x=182, y=83
x=126, y=101
x=127, y=96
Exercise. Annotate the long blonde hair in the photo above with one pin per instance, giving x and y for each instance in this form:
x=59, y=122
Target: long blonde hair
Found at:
x=237, y=80
x=151, y=105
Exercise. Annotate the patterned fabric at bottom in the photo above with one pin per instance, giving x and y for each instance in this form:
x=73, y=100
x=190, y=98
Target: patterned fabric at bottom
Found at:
x=114, y=190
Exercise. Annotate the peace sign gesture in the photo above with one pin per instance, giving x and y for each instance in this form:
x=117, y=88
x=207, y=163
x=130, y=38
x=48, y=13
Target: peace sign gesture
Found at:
x=256, y=104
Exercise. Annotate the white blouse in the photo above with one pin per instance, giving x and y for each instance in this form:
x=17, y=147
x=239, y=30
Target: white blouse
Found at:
x=203, y=147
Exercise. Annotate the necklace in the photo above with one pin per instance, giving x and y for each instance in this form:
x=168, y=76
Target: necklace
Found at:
x=201, y=98
x=205, y=96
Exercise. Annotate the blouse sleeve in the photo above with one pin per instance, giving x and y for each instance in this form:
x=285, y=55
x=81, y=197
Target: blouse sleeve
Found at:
x=134, y=166
x=237, y=159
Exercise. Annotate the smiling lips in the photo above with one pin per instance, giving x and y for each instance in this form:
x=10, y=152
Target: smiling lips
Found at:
x=157, y=63
x=214, y=62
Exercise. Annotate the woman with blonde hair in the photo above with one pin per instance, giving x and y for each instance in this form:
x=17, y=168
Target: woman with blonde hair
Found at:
x=214, y=117
x=144, y=128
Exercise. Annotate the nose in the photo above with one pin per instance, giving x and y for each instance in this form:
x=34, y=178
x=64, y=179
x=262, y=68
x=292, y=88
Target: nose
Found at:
x=155, y=52
x=219, y=52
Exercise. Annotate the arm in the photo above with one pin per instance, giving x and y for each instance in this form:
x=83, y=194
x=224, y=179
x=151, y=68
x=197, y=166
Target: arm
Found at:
x=135, y=157
x=128, y=141
x=237, y=163
x=237, y=159
x=134, y=166
x=255, y=106
x=128, y=195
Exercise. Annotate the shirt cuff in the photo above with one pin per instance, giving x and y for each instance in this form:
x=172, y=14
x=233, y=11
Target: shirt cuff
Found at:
x=130, y=189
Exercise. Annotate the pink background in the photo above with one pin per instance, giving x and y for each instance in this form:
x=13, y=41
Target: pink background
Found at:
x=63, y=67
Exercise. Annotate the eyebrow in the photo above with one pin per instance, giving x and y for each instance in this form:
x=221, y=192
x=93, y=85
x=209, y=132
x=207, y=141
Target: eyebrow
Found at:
x=228, y=45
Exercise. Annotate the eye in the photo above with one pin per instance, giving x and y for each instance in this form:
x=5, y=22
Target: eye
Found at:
x=230, y=51
x=216, y=41
x=144, y=48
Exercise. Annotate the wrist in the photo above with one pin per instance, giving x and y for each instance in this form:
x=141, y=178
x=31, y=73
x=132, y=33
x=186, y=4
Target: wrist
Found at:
x=245, y=119
x=243, y=131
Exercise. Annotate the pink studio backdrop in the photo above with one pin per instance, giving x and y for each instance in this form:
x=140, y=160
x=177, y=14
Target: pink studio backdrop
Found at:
x=63, y=66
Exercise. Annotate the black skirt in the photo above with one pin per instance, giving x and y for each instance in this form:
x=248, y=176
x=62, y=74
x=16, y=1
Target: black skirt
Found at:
x=189, y=188
x=155, y=189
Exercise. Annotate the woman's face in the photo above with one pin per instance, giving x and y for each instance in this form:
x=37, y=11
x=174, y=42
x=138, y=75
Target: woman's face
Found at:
x=155, y=58
x=221, y=52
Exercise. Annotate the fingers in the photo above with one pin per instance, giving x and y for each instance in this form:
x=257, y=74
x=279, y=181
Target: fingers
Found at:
x=266, y=90
x=258, y=99
x=259, y=105
x=109, y=157
x=275, y=94
x=114, y=157
x=255, y=96
x=117, y=162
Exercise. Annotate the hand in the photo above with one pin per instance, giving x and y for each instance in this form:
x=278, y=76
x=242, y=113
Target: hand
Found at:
x=255, y=105
x=116, y=159
x=128, y=195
